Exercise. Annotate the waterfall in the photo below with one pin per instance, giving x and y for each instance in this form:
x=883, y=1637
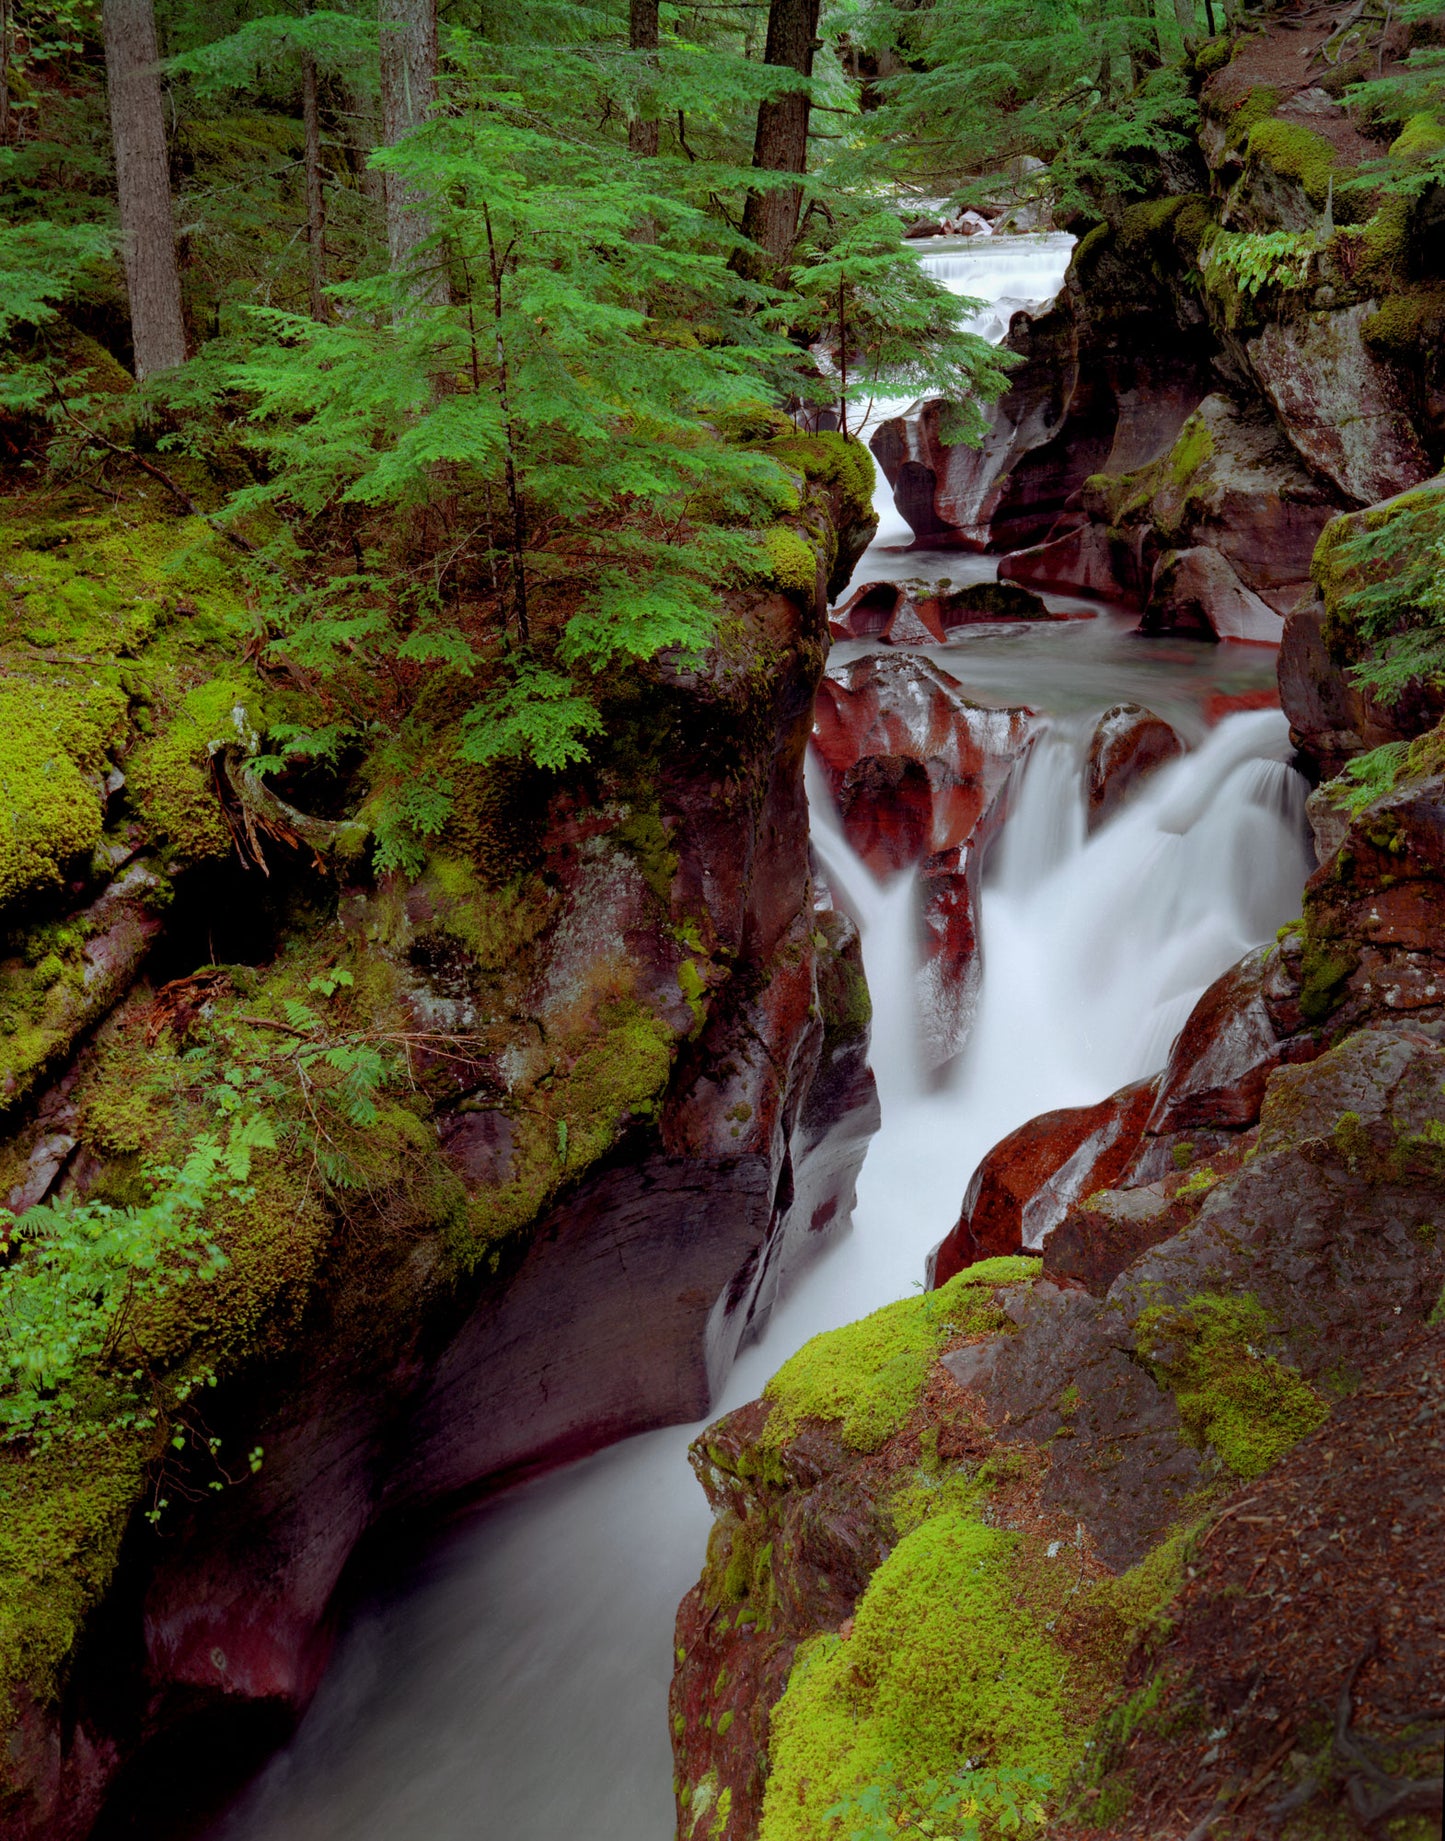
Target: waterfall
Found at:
x=514, y=1685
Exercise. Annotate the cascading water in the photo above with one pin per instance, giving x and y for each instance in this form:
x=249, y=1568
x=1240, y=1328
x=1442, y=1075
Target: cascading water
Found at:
x=515, y=1685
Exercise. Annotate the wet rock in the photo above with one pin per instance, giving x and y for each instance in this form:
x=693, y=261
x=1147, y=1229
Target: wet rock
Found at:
x=1028, y=1182
x=1128, y=744
x=1081, y=560
x=1340, y=406
x=912, y=763
x=924, y=613
x=1223, y=1056
x=950, y=973
x=1196, y=592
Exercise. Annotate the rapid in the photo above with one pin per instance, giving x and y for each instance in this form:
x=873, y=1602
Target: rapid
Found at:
x=512, y=1685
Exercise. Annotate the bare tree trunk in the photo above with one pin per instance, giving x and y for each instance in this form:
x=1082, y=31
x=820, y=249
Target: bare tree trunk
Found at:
x=1184, y=17
x=4, y=71
x=770, y=219
x=315, y=205
x=408, y=91
x=143, y=186
x=642, y=136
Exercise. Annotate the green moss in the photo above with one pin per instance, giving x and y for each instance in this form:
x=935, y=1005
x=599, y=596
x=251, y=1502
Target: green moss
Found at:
x=946, y=1661
x=1199, y=1184
x=1213, y=55
x=1192, y=449
x=866, y=1377
x=1297, y=153
x=53, y=744
x=645, y=835
x=1422, y=137
x=791, y=562
x=170, y=776
x=837, y=461
x=61, y=1525
x=1257, y=106
x=1437, y=1311
x=1249, y=1407
x=497, y=925
x=1408, y=324
x=1326, y=966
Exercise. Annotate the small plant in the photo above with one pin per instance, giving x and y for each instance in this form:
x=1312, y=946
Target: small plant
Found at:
x=1265, y=259
x=970, y=1804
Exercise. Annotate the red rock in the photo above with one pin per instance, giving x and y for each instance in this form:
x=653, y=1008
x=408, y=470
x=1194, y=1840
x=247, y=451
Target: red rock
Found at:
x=918, y=614
x=1222, y=703
x=911, y=762
x=1128, y=743
x=949, y=972
x=1216, y=1072
x=1081, y=560
x=1196, y=591
x=1029, y=1180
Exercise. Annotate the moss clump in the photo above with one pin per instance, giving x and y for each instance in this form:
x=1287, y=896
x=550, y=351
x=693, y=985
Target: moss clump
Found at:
x=791, y=561
x=1212, y=56
x=1326, y=966
x=836, y=461
x=50, y=811
x=645, y=835
x=1408, y=324
x=1295, y=153
x=170, y=776
x=866, y=1377
x=1249, y=1407
x=947, y=1660
x=1257, y=106
x=1422, y=137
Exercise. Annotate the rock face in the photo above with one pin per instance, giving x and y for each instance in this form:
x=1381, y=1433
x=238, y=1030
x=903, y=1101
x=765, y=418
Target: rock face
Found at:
x=918, y=771
x=1180, y=449
x=920, y=613
x=1128, y=743
x=638, y=1089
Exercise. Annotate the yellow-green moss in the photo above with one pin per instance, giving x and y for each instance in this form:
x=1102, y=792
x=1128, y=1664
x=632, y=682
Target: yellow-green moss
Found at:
x=1213, y=55
x=837, y=461
x=170, y=776
x=1257, y=106
x=1244, y=1404
x=52, y=749
x=948, y=1660
x=791, y=561
x=1297, y=153
x=866, y=1377
x=1422, y=136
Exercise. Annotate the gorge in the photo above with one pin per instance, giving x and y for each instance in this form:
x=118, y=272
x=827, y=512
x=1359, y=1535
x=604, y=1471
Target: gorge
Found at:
x=570, y=946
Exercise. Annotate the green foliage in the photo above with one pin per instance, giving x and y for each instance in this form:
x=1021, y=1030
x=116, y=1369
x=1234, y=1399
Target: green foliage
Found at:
x=1267, y=259
x=963, y=1807
x=1383, y=576
x=1076, y=85
x=1248, y=1406
x=894, y=329
x=86, y=1273
x=867, y=1376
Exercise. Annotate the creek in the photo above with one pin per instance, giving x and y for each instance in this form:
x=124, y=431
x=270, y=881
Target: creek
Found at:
x=512, y=1686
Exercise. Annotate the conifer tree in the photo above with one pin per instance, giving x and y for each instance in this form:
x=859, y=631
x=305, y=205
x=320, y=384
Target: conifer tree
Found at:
x=143, y=186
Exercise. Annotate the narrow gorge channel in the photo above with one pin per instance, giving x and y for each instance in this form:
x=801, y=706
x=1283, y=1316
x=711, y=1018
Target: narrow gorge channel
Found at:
x=514, y=1683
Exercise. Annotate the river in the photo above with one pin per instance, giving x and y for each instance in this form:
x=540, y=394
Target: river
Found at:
x=512, y=1686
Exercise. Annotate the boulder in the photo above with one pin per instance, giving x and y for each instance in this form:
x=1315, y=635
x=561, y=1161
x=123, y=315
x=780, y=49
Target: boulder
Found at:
x=1128, y=743
x=1081, y=560
x=911, y=762
x=1340, y=405
x=925, y=613
x=1196, y=592
x=1030, y=1179
x=949, y=970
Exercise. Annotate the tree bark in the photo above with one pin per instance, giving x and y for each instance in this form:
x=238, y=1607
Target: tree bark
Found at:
x=642, y=136
x=1184, y=17
x=143, y=186
x=315, y=204
x=770, y=219
x=408, y=91
x=4, y=71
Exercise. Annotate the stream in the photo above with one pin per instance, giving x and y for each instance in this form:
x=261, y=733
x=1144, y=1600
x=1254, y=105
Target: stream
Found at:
x=512, y=1687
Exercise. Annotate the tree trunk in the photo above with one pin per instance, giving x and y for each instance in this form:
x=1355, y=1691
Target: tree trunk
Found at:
x=770, y=219
x=1184, y=16
x=642, y=136
x=408, y=90
x=143, y=186
x=315, y=207
x=4, y=71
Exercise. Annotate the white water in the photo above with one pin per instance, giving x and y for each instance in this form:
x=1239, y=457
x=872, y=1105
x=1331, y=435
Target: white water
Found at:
x=513, y=1688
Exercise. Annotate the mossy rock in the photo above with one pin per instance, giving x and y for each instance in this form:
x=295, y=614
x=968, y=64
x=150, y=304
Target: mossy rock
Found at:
x=53, y=750
x=170, y=776
x=865, y=1379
